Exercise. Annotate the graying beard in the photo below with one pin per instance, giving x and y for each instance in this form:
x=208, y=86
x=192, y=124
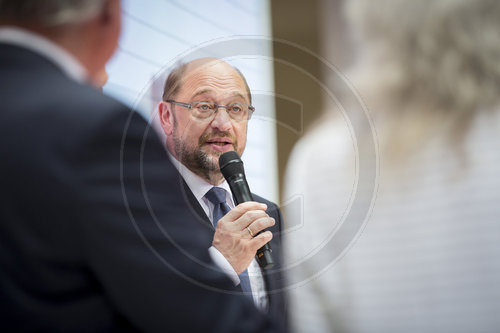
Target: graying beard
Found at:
x=198, y=162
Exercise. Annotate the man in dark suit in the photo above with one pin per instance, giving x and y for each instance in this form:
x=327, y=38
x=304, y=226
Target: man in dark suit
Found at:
x=94, y=233
x=204, y=113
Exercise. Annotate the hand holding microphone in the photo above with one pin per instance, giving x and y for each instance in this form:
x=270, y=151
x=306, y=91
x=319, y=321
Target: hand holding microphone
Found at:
x=232, y=169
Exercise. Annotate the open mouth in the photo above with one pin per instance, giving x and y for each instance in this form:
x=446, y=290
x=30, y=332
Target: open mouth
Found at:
x=220, y=144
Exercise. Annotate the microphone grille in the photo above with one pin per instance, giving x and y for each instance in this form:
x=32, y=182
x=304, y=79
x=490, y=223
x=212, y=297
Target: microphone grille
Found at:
x=230, y=163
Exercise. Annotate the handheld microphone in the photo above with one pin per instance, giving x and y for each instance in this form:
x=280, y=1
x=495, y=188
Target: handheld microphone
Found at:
x=232, y=169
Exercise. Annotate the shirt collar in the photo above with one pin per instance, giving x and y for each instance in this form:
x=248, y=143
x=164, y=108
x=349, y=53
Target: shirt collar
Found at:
x=196, y=184
x=46, y=48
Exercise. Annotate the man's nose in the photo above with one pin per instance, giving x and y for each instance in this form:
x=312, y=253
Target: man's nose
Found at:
x=221, y=120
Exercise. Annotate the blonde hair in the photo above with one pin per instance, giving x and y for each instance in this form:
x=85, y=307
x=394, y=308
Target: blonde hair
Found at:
x=427, y=63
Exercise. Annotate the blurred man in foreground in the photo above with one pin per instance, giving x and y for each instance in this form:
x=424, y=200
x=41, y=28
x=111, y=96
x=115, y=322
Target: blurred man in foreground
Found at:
x=92, y=224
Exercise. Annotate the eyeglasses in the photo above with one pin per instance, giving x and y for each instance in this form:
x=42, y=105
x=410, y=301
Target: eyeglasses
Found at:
x=205, y=110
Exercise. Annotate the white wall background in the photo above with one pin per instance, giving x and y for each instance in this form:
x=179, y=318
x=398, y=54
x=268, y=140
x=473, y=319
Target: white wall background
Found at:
x=158, y=33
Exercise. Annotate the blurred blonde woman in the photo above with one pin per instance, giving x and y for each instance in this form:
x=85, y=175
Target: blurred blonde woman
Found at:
x=428, y=257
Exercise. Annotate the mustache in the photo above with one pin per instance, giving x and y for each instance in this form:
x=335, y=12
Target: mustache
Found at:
x=218, y=134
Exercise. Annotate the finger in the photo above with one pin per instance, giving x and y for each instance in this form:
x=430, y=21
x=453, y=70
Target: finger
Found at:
x=260, y=224
x=242, y=208
x=260, y=240
x=248, y=218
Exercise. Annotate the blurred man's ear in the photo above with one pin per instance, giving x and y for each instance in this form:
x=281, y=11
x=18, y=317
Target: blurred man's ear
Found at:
x=103, y=32
x=111, y=12
x=111, y=18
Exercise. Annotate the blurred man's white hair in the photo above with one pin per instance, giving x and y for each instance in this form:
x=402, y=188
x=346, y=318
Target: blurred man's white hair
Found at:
x=48, y=12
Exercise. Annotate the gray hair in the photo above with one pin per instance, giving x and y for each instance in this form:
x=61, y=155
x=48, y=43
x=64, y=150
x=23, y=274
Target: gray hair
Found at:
x=174, y=80
x=429, y=59
x=48, y=12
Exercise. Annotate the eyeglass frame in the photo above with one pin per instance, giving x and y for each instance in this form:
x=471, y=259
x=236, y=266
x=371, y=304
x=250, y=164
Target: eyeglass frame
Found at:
x=251, y=108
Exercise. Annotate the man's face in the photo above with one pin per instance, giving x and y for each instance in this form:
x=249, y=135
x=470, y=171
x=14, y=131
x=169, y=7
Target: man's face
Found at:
x=198, y=143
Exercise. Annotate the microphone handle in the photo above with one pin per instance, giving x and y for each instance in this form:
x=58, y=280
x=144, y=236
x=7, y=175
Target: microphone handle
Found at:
x=241, y=193
x=239, y=188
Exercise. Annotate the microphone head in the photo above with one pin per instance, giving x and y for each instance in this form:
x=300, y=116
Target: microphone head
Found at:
x=230, y=164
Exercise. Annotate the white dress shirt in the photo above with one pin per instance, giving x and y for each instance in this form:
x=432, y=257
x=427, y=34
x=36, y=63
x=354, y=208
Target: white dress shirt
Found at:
x=48, y=49
x=200, y=187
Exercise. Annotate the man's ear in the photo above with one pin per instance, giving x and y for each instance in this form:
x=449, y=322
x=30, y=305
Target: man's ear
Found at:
x=111, y=12
x=166, y=117
x=103, y=36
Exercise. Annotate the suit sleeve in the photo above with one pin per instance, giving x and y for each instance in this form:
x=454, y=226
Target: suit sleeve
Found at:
x=143, y=245
x=278, y=308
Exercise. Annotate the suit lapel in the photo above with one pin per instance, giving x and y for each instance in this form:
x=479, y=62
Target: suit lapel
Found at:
x=195, y=205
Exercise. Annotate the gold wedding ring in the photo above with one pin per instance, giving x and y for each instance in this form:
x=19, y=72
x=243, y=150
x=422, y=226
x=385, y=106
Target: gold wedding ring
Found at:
x=250, y=232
